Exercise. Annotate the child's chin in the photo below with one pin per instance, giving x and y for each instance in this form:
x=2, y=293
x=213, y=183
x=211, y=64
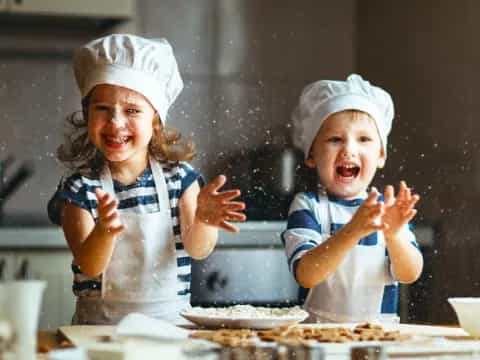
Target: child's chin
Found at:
x=115, y=157
x=348, y=194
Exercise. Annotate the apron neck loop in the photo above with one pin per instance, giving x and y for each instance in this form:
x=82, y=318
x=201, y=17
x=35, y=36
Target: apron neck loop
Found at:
x=159, y=179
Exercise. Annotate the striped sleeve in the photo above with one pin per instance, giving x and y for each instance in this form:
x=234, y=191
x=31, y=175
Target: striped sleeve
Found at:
x=303, y=230
x=188, y=175
x=75, y=189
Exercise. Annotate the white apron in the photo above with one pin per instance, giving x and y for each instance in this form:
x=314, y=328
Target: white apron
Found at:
x=354, y=292
x=142, y=273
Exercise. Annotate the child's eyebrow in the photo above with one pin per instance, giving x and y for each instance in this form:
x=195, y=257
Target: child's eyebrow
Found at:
x=96, y=102
x=132, y=103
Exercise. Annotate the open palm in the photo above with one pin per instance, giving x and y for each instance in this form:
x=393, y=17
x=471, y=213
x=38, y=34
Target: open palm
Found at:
x=215, y=207
x=399, y=210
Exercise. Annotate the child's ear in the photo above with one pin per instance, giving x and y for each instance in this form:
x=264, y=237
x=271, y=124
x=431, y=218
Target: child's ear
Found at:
x=310, y=163
x=381, y=160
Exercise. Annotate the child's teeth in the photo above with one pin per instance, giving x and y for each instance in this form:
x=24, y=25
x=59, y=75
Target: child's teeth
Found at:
x=117, y=140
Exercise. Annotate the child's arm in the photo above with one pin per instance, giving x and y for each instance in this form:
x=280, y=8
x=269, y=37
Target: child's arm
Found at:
x=203, y=212
x=407, y=261
x=318, y=263
x=90, y=243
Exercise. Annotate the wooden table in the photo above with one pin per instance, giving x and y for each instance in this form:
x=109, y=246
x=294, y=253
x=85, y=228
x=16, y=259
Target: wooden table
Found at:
x=48, y=340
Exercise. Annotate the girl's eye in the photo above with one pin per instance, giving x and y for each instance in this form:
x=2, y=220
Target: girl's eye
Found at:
x=101, y=107
x=133, y=111
x=365, y=139
x=334, y=139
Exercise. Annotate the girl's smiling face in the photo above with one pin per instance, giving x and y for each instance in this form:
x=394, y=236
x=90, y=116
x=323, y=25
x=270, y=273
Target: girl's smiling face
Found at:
x=346, y=153
x=120, y=123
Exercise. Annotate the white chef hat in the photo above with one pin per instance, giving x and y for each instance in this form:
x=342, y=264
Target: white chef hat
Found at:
x=147, y=66
x=323, y=98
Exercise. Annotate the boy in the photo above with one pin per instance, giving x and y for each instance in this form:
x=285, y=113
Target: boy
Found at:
x=344, y=244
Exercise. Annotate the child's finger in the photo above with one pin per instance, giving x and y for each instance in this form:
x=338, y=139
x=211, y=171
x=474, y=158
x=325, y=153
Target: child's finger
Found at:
x=234, y=205
x=100, y=194
x=372, y=197
x=402, y=187
x=216, y=183
x=108, y=208
x=106, y=201
x=377, y=209
x=414, y=200
x=105, y=215
x=235, y=216
x=228, y=227
x=112, y=219
x=389, y=198
x=229, y=194
x=411, y=214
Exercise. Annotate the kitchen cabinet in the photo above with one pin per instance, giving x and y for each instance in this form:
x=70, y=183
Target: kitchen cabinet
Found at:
x=92, y=8
x=3, y=5
x=52, y=266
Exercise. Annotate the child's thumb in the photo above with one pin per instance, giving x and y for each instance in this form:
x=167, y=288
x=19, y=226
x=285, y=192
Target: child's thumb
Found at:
x=372, y=197
x=99, y=192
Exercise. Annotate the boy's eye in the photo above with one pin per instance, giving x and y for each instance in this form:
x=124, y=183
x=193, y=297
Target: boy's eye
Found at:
x=133, y=111
x=365, y=138
x=101, y=107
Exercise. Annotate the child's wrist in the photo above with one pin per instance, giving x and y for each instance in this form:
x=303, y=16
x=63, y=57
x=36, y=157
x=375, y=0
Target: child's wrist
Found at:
x=103, y=231
x=353, y=231
x=393, y=235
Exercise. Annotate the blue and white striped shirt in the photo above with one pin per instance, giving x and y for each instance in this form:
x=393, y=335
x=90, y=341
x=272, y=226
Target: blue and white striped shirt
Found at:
x=304, y=232
x=139, y=197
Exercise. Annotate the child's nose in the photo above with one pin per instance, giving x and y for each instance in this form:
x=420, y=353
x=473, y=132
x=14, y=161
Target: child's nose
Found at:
x=349, y=149
x=117, y=118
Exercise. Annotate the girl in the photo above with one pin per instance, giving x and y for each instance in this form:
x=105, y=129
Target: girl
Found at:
x=133, y=213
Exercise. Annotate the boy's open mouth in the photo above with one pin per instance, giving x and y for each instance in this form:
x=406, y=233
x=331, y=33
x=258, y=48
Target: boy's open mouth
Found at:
x=348, y=170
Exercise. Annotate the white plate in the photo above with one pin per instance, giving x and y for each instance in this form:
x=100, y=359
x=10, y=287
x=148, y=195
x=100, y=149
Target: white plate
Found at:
x=242, y=323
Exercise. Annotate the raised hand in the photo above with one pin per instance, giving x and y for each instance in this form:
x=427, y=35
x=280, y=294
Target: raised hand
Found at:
x=368, y=217
x=215, y=207
x=399, y=210
x=108, y=219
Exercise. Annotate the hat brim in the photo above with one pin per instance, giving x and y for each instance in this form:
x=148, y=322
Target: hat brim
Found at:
x=128, y=78
x=338, y=104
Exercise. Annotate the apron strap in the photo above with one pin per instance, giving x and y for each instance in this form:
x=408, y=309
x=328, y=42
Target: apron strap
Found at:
x=325, y=221
x=160, y=183
x=158, y=177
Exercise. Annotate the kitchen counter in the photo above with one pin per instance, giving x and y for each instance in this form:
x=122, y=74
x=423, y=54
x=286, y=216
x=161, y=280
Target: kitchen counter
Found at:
x=429, y=342
x=267, y=234
x=44, y=237
x=252, y=234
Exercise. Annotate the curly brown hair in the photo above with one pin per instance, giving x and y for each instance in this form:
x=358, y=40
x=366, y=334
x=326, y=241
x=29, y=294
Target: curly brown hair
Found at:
x=79, y=154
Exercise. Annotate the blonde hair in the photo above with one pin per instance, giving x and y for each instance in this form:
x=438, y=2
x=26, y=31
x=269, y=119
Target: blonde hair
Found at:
x=79, y=154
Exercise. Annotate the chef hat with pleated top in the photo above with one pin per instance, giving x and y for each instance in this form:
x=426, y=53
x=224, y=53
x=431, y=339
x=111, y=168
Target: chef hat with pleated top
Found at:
x=147, y=66
x=323, y=98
